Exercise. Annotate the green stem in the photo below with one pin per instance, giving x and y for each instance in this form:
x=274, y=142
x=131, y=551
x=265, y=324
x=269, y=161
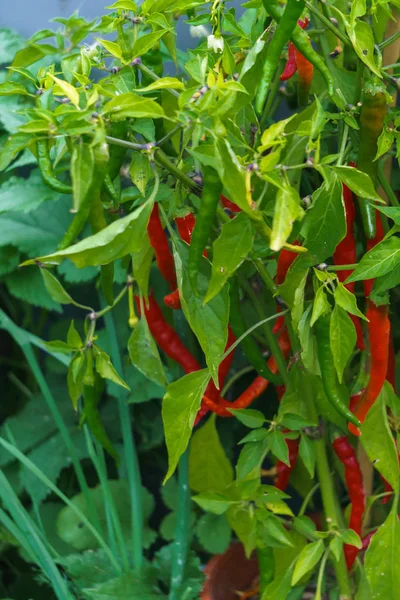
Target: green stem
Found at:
x=131, y=459
x=390, y=40
x=234, y=378
x=182, y=534
x=318, y=593
x=328, y=23
x=387, y=188
x=341, y=267
x=155, y=77
x=162, y=159
x=265, y=276
x=271, y=339
x=58, y=419
x=342, y=150
x=105, y=310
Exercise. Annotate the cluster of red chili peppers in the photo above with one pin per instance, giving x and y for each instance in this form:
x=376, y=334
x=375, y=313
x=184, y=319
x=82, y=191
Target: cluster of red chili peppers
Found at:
x=298, y=63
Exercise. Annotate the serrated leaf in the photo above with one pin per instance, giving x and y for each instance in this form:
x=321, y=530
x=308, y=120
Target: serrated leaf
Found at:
x=20, y=284
x=230, y=249
x=179, y=409
x=26, y=195
x=343, y=338
x=214, y=533
x=308, y=558
x=209, y=467
x=144, y=353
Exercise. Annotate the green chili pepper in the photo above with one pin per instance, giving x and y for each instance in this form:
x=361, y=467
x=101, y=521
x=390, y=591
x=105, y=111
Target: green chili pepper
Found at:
x=266, y=563
x=117, y=153
x=111, y=191
x=334, y=391
x=372, y=118
x=46, y=169
x=283, y=32
x=212, y=189
x=249, y=346
x=100, y=169
x=98, y=222
x=302, y=42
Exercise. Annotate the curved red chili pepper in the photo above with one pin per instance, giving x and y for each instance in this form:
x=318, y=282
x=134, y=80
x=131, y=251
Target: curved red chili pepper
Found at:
x=290, y=67
x=345, y=254
x=229, y=205
x=159, y=242
x=285, y=260
x=354, y=481
x=379, y=338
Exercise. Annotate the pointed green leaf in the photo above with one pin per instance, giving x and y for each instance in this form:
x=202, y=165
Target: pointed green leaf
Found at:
x=113, y=48
x=381, y=559
x=106, y=370
x=360, y=183
x=287, y=211
x=346, y=300
x=308, y=558
x=384, y=257
x=66, y=89
x=73, y=337
x=343, y=338
x=131, y=105
x=249, y=417
x=144, y=353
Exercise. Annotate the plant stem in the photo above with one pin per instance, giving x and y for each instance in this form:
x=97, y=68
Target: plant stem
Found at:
x=234, y=378
x=328, y=23
x=51, y=403
x=390, y=40
x=105, y=310
x=182, y=535
x=162, y=159
x=131, y=459
x=271, y=339
x=387, y=188
x=265, y=276
x=342, y=150
x=341, y=267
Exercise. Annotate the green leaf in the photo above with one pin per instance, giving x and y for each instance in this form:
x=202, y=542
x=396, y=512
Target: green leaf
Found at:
x=249, y=417
x=231, y=173
x=274, y=528
x=343, y=338
x=10, y=43
x=251, y=457
x=76, y=372
x=10, y=88
x=146, y=42
x=307, y=454
x=287, y=210
x=20, y=284
x=209, y=467
x=393, y=212
x=214, y=502
x=362, y=38
x=25, y=194
x=55, y=289
x=65, y=89
x=140, y=171
x=115, y=241
x=278, y=446
x=209, y=322
x=350, y=537
x=381, y=558
x=308, y=558
x=378, y=442
x=346, y=300
x=163, y=83
x=214, y=533
x=320, y=306
x=131, y=105
x=73, y=337
x=360, y=183
x=111, y=47
x=280, y=587
x=385, y=142
x=87, y=569
x=123, y=4
x=144, y=353
x=383, y=257
x=230, y=249
x=179, y=409
x=106, y=370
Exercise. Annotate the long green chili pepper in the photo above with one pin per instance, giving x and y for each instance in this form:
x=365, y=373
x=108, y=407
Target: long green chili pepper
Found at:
x=212, y=189
x=248, y=345
x=283, y=32
x=110, y=189
x=46, y=169
x=98, y=222
x=333, y=390
x=302, y=42
x=372, y=118
x=117, y=153
x=100, y=170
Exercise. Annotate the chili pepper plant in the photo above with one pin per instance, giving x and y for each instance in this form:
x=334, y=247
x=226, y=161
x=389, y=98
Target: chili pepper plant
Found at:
x=218, y=226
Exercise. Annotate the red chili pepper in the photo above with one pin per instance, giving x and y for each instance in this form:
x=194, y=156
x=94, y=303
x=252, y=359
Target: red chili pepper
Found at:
x=380, y=234
x=345, y=254
x=283, y=470
x=367, y=539
x=173, y=300
x=159, y=242
x=285, y=260
x=379, y=339
x=166, y=337
x=254, y=390
x=229, y=205
x=290, y=67
x=354, y=481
